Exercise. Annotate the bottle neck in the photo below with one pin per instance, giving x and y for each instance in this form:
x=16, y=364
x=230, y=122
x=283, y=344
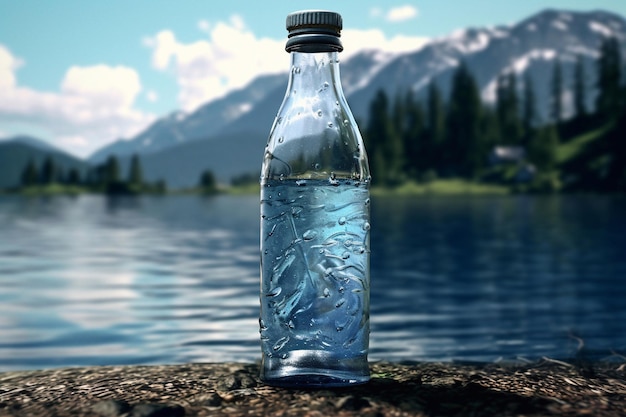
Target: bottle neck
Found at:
x=314, y=73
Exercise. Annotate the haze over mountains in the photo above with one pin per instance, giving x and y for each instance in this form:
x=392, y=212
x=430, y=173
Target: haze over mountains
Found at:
x=228, y=135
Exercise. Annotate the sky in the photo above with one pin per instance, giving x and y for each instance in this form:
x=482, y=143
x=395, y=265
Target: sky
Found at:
x=81, y=74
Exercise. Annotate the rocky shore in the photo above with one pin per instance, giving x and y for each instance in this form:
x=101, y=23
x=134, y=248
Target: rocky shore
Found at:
x=545, y=388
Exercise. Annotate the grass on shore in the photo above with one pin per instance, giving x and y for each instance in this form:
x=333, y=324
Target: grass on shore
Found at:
x=443, y=187
x=436, y=187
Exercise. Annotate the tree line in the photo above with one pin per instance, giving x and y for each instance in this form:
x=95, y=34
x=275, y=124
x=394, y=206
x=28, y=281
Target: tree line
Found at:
x=407, y=139
x=105, y=177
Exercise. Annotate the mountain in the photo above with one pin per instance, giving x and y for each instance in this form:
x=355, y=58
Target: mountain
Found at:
x=529, y=47
x=32, y=142
x=227, y=135
x=205, y=122
x=16, y=152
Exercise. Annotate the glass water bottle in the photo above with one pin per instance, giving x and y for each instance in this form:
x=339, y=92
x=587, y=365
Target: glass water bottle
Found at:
x=315, y=228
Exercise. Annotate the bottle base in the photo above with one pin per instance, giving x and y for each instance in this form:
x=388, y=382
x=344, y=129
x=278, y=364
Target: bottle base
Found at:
x=313, y=369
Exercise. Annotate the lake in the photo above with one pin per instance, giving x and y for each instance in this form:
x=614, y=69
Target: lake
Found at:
x=95, y=280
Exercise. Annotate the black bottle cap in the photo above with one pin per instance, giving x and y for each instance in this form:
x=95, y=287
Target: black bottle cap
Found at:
x=314, y=31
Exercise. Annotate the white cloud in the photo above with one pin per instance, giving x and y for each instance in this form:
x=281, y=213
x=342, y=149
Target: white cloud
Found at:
x=232, y=56
x=401, y=13
x=209, y=68
x=355, y=41
x=204, y=26
x=376, y=12
x=94, y=105
x=8, y=65
x=152, y=96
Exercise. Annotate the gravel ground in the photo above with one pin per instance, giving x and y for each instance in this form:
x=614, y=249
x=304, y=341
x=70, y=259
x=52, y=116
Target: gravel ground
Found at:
x=545, y=388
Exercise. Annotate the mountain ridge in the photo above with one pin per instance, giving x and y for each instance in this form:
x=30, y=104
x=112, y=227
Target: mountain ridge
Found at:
x=235, y=127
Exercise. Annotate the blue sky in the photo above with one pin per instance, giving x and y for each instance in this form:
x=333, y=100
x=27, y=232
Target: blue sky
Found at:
x=81, y=74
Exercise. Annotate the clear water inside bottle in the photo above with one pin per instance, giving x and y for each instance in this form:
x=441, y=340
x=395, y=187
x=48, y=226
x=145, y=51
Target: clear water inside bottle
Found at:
x=314, y=320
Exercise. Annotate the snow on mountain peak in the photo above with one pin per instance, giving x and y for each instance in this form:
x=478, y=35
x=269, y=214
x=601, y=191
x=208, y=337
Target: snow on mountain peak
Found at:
x=468, y=41
x=518, y=66
x=600, y=28
x=560, y=25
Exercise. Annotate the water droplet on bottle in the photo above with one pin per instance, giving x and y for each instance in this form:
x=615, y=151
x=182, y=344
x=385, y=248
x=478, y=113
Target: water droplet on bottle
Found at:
x=284, y=355
x=317, y=166
x=262, y=325
x=281, y=139
x=367, y=201
x=342, y=220
x=345, y=255
x=274, y=292
x=366, y=226
x=309, y=235
x=346, y=122
x=330, y=125
x=300, y=183
x=340, y=303
x=349, y=342
x=326, y=292
x=337, y=102
x=319, y=113
x=291, y=325
x=266, y=251
x=280, y=343
x=280, y=119
x=281, y=178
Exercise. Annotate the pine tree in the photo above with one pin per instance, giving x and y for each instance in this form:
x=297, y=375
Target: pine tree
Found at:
x=29, y=174
x=394, y=148
x=112, y=170
x=73, y=177
x=383, y=143
x=508, y=110
x=529, y=114
x=135, y=175
x=542, y=149
x=556, y=111
x=580, y=91
x=48, y=171
x=465, y=151
x=435, y=129
x=609, y=80
x=207, y=181
x=413, y=137
x=501, y=103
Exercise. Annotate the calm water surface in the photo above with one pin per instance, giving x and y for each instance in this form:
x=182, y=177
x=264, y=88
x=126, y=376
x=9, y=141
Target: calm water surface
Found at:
x=91, y=280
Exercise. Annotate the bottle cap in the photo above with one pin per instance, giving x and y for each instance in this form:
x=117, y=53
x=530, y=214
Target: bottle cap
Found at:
x=314, y=31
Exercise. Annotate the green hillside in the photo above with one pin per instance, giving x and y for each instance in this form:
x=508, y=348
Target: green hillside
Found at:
x=577, y=145
x=14, y=156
